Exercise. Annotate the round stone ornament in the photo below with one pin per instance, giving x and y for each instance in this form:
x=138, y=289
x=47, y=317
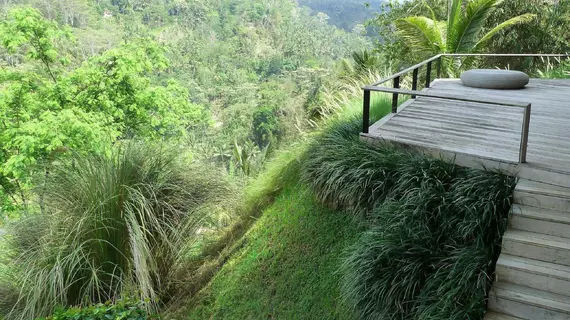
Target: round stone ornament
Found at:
x=495, y=79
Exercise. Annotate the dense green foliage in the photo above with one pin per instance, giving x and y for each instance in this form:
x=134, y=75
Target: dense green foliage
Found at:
x=435, y=228
x=348, y=14
x=461, y=33
x=557, y=70
x=111, y=224
x=48, y=110
x=124, y=310
x=546, y=33
x=543, y=33
x=134, y=137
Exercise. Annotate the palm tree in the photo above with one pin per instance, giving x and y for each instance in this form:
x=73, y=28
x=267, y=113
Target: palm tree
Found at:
x=462, y=31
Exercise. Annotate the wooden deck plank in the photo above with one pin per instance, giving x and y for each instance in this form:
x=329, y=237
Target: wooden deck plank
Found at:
x=443, y=138
x=488, y=131
x=425, y=142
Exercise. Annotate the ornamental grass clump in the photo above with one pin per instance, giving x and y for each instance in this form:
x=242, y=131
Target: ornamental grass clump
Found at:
x=111, y=225
x=434, y=228
x=431, y=252
x=347, y=173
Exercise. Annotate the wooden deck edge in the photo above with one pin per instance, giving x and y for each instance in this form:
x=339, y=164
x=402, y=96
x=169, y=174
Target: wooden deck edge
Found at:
x=524, y=171
x=460, y=159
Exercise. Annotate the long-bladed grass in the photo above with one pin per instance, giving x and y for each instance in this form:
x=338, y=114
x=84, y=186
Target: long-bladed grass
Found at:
x=346, y=173
x=112, y=225
x=435, y=228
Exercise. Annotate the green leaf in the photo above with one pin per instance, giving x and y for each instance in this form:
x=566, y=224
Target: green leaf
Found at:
x=511, y=22
x=421, y=33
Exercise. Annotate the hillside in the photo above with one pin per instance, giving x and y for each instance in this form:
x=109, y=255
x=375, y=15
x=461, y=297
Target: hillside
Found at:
x=345, y=14
x=172, y=107
x=287, y=267
x=177, y=159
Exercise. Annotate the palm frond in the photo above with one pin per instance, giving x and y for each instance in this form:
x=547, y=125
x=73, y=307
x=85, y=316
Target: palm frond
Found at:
x=511, y=22
x=431, y=11
x=453, y=19
x=421, y=33
x=471, y=25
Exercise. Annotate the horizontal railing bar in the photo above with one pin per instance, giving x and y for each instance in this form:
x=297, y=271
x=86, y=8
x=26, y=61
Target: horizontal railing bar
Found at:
x=506, y=55
x=421, y=64
x=403, y=72
x=508, y=103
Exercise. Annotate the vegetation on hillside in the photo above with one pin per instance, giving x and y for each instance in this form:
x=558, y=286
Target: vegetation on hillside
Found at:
x=201, y=159
x=287, y=267
x=348, y=14
x=434, y=228
x=431, y=225
x=111, y=224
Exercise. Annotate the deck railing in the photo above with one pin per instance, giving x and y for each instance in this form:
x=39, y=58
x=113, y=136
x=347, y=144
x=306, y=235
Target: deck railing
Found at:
x=414, y=92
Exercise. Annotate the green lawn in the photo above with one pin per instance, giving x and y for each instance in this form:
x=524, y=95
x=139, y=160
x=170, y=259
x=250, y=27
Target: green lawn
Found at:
x=287, y=268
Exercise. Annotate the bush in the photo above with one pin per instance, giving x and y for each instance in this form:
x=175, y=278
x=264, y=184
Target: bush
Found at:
x=435, y=228
x=111, y=224
x=431, y=252
x=124, y=310
x=356, y=176
x=265, y=127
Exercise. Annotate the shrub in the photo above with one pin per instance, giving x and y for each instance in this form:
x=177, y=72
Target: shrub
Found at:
x=124, y=310
x=431, y=251
x=435, y=228
x=265, y=126
x=356, y=176
x=111, y=224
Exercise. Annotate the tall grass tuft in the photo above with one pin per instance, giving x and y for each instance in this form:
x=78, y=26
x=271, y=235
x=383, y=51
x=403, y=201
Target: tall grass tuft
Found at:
x=557, y=69
x=112, y=225
x=346, y=173
x=431, y=251
x=435, y=228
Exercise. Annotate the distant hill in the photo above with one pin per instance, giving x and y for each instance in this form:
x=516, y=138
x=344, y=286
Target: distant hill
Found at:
x=344, y=13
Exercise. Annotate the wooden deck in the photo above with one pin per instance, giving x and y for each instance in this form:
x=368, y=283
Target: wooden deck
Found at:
x=487, y=135
x=532, y=278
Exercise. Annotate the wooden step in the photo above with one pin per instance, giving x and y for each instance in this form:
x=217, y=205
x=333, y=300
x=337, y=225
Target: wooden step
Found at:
x=527, y=303
x=539, y=220
x=536, y=274
x=541, y=195
x=551, y=176
x=537, y=246
x=498, y=316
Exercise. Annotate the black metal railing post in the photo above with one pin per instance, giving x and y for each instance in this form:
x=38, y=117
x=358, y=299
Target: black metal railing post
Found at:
x=439, y=63
x=366, y=112
x=415, y=82
x=395, y=95
x=428, y=74
x=524, y=135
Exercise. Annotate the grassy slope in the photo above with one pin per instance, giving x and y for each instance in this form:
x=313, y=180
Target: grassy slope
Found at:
x=287, y=267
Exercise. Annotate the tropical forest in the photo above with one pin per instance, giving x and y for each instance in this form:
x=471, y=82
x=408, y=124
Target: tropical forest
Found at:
x=201, y=159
